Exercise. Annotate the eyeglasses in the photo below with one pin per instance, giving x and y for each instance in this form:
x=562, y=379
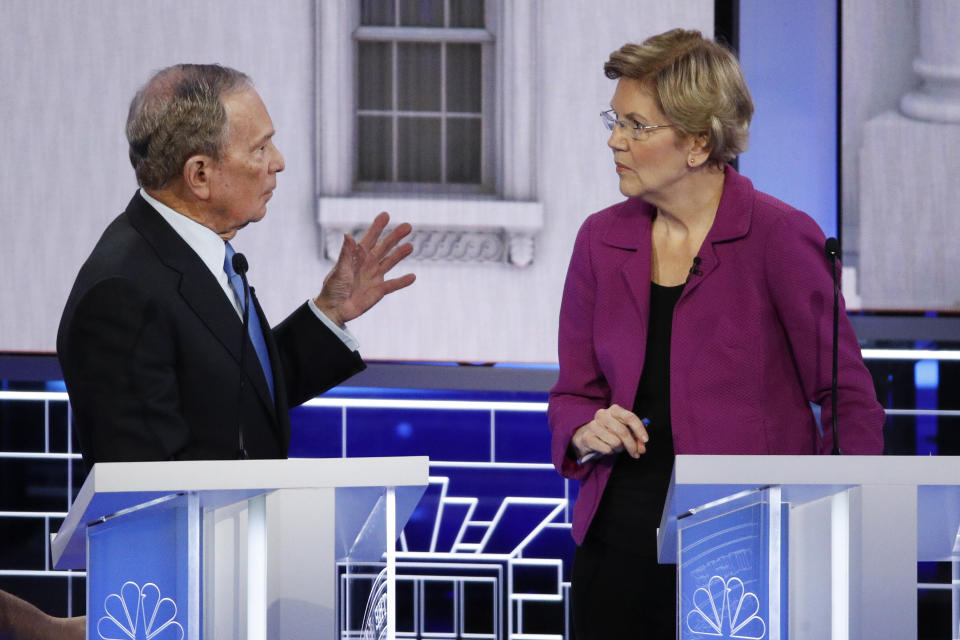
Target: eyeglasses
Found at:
x=637, y=131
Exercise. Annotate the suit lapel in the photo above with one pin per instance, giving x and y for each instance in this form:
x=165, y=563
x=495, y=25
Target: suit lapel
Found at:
x=279, y=385
x=203, y=294
x=216, y=312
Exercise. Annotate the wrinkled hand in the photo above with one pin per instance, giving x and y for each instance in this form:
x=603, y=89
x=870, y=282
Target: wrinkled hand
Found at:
x=611, y=430
x=357, y=282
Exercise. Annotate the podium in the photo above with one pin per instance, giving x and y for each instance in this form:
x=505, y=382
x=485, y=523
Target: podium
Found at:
x=806, y=547
x=245, y=549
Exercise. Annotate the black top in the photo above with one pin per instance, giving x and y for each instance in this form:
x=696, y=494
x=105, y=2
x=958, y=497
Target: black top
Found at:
x=629, y=512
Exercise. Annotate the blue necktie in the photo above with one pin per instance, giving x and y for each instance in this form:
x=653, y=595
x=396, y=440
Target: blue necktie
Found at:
x=255, y=332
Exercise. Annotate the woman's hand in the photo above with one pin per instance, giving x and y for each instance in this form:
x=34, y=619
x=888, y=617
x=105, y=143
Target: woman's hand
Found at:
x=611, y=430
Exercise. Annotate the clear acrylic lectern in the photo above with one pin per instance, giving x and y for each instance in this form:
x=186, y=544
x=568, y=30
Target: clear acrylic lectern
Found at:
x=807, y=547
x=245, y=549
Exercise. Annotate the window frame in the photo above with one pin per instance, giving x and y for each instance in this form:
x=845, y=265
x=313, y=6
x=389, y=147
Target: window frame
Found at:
x=508, y=207
x=433, y=35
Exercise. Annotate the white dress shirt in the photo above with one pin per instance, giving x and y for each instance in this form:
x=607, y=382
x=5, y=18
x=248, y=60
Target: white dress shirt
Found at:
x=212, y=251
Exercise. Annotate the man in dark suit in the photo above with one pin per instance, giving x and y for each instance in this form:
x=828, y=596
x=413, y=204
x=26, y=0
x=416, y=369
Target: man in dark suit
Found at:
x=152, y=342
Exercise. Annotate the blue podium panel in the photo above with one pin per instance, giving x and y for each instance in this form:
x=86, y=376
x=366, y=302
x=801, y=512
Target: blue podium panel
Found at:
x=732, y=572
x=143, y=572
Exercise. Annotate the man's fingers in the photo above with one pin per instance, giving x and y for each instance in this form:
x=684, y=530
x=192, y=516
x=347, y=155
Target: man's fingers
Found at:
x=372, y=234
x=395, y=256
x=392, y=239
x=395, y=284
x=399, y=232
x=348, y=251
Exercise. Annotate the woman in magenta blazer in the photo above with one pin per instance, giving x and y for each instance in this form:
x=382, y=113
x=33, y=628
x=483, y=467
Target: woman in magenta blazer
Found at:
x=696, y=318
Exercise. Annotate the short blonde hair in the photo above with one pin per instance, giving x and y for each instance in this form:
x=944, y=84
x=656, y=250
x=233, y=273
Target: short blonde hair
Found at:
x=697, y=83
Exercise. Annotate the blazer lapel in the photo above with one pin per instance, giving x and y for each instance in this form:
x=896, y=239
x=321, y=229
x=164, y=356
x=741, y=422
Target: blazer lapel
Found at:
x=202, y=293
x=627, y=241
x=731, y=223
x=630, y=231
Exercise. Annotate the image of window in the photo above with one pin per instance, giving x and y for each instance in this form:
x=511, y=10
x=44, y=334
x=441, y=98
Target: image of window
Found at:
x=420, y=94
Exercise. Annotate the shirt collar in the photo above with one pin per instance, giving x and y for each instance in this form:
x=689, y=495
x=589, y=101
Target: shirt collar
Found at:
x=204, y=241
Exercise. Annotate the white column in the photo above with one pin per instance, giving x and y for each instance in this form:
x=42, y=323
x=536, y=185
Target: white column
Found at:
x=908, y=190
x=257, y=568
x=811, y=589
x=775, y=506
x=938, y=65
x=840, y=566
x=194, y=537
x=955, y=584
x=883, y=562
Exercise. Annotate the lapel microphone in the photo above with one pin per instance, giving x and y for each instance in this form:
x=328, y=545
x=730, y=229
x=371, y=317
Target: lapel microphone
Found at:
x=832, y=248
x=695, y=269
x=240, y=266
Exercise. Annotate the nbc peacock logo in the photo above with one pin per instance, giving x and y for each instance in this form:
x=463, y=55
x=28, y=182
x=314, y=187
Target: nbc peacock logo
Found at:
x=725, y=609
x=139, y=613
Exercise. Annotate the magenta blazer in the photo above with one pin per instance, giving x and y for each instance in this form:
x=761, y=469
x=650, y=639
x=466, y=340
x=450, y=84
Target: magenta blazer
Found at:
x=750, y=348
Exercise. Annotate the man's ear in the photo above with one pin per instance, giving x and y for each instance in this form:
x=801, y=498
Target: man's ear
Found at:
x=197, y=173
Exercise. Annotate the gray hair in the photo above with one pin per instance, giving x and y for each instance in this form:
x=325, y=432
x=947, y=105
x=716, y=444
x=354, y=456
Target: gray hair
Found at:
x=177, y=114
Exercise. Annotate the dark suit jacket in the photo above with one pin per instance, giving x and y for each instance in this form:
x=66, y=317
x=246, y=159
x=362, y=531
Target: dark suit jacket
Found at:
x=150, y=351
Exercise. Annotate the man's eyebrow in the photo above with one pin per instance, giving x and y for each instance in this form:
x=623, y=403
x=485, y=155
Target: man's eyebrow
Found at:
x=259, y=141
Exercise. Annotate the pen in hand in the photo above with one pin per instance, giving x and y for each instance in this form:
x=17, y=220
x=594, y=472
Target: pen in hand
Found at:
x=587, y=457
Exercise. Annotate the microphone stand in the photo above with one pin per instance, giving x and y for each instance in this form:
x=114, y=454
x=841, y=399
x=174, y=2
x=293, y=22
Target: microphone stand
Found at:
x=240, y=266
x=832, y=248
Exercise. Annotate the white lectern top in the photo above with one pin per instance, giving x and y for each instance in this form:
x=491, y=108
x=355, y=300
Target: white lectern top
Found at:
x=699, y=480
x=114, y=486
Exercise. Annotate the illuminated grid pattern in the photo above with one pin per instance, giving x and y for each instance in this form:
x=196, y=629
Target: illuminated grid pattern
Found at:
x=42, y=509
x=490, y=467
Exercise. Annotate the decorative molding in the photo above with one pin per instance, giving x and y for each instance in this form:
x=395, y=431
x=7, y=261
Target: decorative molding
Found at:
x=332, y=241
x=458, y=245
x=451, y=245
x=466, y=231
x=520, y=247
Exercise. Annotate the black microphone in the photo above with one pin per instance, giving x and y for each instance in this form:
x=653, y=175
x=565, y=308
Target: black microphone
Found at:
x=240, y=266
x=695, y=269
x=832, y=248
